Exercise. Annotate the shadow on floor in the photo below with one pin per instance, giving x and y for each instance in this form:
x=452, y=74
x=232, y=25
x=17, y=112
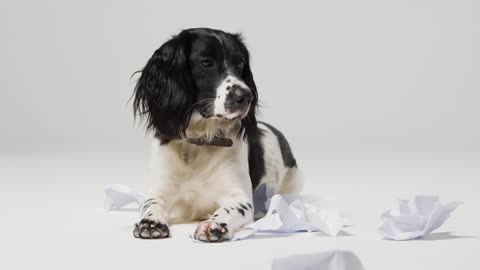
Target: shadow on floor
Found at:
x=266, y=235
x=444, y=236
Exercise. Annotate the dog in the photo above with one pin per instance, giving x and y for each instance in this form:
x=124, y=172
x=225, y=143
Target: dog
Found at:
x=198, y=97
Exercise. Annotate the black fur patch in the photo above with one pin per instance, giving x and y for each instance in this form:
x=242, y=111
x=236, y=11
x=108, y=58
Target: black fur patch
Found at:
x=256, y=161
x=287, y=155
x=164, y=92
x=162, y=140
x=148, y=203
x=149, y=200
x=243, y=206
x=241, y=211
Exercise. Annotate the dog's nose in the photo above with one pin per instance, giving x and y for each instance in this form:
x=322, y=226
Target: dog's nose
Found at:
x=242, y=96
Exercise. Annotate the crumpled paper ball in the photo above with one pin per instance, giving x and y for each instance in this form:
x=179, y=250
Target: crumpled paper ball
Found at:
x=415, y=218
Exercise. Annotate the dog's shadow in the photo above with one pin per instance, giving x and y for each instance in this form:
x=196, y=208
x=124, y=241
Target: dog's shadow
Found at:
x=444, y=236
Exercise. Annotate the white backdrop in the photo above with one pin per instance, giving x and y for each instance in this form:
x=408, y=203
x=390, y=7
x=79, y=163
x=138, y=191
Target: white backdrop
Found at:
x=333, y=75
x=379, y=100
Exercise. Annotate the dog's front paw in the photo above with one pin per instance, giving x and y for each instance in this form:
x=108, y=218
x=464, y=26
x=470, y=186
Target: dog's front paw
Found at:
x=151, y=229
x=212, y=231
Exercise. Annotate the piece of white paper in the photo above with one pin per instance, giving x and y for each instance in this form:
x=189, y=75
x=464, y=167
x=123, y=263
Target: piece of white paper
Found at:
x=117, y=197
x=415, y=218
x=327, y=260
x=297, y=213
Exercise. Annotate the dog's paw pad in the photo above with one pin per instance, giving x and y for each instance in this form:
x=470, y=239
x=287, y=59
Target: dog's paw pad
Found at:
x=151, y=229
x=211, y=231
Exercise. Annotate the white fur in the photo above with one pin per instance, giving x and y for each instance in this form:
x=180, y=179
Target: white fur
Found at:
x=221, y=96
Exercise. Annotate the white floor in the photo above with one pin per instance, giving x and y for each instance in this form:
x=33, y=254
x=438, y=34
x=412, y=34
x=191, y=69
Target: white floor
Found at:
x=52, y=216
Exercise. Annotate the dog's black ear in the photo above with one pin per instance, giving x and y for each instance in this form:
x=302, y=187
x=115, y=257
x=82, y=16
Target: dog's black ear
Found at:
x=164, y=91
x=249, y=123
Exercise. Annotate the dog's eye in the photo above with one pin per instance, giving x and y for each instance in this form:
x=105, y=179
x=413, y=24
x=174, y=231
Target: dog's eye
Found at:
x=206, y=63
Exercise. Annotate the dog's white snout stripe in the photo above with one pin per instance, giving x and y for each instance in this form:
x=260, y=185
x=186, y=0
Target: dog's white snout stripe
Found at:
x=228, y=84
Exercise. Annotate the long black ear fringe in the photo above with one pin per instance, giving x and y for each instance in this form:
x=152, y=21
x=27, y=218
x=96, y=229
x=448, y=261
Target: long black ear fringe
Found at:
x=164, y=92
x=249, y=123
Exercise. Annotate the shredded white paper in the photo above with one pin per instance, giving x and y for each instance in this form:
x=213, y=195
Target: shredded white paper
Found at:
x=117, y=197
x=297, y=213
x=415, y=218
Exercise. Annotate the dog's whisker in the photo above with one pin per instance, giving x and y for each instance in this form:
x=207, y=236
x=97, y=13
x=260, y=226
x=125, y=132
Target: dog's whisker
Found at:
x=201, y=101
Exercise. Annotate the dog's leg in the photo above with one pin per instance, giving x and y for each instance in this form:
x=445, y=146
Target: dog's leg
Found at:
x=154, y=219
x=154, y=212
x=235, y=212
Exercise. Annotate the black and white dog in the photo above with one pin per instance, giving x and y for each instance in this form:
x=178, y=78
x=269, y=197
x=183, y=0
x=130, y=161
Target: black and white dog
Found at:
x=198, y=96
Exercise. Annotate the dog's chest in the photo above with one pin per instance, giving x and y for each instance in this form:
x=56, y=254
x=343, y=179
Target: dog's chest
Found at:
x=201, y=176
x=200, y=158
x=189, y=155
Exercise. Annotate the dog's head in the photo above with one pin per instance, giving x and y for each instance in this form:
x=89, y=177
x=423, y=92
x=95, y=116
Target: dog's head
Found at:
x=199, y=70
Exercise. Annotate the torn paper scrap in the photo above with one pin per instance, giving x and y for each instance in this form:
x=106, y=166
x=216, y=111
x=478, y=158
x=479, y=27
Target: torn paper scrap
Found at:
x=295, y=213
x=327, y=260
x=415, y=218
x=119, y=196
